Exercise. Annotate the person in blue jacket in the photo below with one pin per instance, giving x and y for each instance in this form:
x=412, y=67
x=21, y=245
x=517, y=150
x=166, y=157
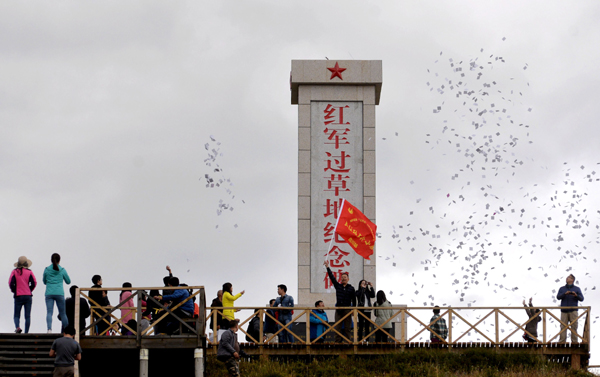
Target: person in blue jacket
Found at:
x=316, y=326
x=169, y=324
x=54, y=275
x=569, y=295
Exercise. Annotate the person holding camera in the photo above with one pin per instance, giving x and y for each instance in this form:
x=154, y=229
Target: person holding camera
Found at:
x=569, y=295
x=364, y=294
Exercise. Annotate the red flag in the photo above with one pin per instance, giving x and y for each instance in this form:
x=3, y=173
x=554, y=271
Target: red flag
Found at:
x=356, y=229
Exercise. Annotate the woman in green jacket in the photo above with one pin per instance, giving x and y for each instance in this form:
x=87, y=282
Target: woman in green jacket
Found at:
x=54, y=275
x=382, y=315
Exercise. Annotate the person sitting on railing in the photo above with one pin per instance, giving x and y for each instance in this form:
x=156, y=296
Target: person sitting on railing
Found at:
x=184, y=311
x=99, y=298
x=84, y=309
x=316, y=326
x=228, y=299
x=569, y=295
x=270, y=326
x=345, y=296
x=531, y=327
x=132, y=324
x=285, y=316
x=440, y=327
x=196, y=307
x=166, y=281
x=381, y=316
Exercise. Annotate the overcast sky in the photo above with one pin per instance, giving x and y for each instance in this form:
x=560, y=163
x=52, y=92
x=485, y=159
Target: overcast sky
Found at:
x=106, y=109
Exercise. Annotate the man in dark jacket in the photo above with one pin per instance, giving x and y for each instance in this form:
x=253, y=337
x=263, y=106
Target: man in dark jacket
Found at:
x=84, y=309
x=217, y=302
x=99, y=298
x=270, y=326
x=254, y=329
x=345, y=295
x=570, y=295
x=229, y=349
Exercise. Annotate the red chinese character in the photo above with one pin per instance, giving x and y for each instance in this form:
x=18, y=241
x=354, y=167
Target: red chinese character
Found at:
x=328, y=231
x=337, y=136
x=332, y=112
x=333, y=207
x=340, y=162
x=336, y=183
x=339, y=256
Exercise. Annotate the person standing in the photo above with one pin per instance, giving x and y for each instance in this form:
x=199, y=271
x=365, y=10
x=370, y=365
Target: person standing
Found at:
x=228, y=299
x=285, y=316
x=439, y=327
x=97, y=300
x=345, y=296
x=381, y=317
x=217, y=302
x=229, y=349
x=364, y=294
x=270, y=326
x=84, y=309
x=65, y=350
x=531, y=327
x=569, y=295
x=22, y=283
x=125, y=297
x=54, y=275
x=317, y=327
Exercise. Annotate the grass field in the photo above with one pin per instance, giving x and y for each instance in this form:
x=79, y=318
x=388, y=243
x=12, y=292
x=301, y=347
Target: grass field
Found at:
x=475, y=363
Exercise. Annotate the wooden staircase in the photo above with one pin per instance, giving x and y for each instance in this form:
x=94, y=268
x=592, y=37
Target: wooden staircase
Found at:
x=26, y=354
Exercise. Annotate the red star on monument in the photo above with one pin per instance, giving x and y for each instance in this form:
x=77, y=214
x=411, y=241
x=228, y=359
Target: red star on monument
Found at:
x=336, y=71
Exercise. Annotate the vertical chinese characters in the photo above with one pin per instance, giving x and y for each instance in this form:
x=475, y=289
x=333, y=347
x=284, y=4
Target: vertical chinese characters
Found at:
x=336, y=177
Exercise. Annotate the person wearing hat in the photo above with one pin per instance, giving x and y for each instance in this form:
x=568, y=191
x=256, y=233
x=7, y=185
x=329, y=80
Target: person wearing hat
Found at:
x=22, y=283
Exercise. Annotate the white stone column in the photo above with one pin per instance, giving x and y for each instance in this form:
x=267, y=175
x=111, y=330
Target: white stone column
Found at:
x=336, y=159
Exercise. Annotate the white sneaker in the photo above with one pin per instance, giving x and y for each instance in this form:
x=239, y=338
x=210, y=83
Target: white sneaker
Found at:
x=49, y=331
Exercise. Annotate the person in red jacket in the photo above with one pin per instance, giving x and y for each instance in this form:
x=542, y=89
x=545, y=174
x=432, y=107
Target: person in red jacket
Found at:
x=22, y=283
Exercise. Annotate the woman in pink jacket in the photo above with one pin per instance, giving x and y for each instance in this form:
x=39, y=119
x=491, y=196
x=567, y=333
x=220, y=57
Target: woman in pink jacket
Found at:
x=127, y=314
x=22, y=283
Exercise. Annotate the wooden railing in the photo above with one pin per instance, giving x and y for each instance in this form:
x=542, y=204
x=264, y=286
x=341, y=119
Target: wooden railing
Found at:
x=107, y=315
x=414, y=321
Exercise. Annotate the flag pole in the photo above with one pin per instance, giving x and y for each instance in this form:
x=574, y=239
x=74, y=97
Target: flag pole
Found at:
x=334, y=228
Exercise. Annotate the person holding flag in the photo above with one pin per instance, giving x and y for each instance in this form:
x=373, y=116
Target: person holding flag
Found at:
x=345, y=296
x=359, y=232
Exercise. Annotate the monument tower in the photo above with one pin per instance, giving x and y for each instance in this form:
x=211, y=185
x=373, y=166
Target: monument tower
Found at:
x=336, y=159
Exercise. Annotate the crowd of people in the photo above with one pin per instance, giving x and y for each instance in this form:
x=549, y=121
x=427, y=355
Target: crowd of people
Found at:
x=22, y=283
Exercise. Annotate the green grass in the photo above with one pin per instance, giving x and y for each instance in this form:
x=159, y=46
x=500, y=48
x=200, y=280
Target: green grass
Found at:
x=473, y=363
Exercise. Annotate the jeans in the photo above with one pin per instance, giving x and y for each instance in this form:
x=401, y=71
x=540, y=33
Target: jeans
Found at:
x=60, y=304
x=23, y=301
x=285, y=336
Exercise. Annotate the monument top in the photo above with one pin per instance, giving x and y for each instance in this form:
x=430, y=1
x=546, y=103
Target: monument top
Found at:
x=335, y=72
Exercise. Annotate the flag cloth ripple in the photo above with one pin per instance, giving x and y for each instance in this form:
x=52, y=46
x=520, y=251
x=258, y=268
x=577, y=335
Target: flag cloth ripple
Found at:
x=354, y=227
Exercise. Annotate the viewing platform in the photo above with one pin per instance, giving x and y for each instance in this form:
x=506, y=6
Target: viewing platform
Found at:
x=144, y=352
